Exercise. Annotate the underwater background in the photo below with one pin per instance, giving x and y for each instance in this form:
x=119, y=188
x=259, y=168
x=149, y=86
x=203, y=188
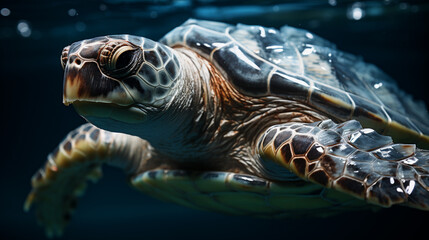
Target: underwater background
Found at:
x=391, y=34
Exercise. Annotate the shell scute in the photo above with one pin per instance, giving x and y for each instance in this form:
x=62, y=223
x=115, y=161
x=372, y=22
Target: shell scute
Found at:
x=299, y=65
x=205, y=40
x=284, y=85
x=247, y=74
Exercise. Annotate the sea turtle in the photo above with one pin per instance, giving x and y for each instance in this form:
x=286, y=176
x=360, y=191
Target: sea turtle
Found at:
x=236, y=119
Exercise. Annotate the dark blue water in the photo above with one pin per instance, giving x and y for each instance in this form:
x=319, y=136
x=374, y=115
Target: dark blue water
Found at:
x=391, y=34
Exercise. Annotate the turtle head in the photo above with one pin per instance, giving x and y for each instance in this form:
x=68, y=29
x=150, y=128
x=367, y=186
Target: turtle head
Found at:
x=119, y=78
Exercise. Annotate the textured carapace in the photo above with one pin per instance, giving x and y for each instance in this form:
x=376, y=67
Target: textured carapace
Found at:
x=298, y=65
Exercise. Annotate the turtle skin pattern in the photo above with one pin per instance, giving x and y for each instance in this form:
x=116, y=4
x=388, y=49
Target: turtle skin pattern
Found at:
x=352, y=159
x=77, y=159
x=57, y=185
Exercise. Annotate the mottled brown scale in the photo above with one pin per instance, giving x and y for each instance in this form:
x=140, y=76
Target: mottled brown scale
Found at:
x=286, y=153
x=315, y=152
x=301, y=143
x=269, y=137
x=395, y=192
x=328, y=164
x=300, y=164
x=311, y=167
x=320, y=177
x=282, y=137
x=81, y=137
x=94, y=135
x=86, y=129
x=376, y=194
x=351, y=186
x=67, y=146
x=74, y=134
x=418, y=196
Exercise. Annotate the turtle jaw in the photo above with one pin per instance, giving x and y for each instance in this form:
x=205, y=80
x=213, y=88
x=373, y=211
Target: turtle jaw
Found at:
x=131, y=114
x=94, y=94
x=83, y=81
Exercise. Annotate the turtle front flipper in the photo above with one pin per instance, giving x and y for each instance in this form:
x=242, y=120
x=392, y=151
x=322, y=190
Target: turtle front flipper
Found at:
x=78, y=158
x=351, y=159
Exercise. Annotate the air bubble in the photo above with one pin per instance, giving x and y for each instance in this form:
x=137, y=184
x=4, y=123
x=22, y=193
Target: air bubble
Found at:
x=5, y=12
x=24, y=28
x=72, y=12
x=356, y=11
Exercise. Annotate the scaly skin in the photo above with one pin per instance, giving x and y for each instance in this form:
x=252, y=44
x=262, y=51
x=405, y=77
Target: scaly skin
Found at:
x=77, y=159
x=353, y=160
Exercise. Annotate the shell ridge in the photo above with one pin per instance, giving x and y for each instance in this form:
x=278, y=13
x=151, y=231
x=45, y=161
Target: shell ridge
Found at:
x=357, y=98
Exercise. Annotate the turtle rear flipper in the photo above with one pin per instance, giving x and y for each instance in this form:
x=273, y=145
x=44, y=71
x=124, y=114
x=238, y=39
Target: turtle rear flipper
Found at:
x=351, y=159
x=78, y=158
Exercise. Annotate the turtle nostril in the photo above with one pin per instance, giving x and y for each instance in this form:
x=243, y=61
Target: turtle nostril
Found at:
x=77, y=61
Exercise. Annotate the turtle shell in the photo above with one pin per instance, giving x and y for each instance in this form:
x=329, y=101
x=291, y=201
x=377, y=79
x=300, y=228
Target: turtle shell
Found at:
x=298, y=65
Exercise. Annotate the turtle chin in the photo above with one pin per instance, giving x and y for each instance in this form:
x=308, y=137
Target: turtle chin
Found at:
x=112, y=117
x=95, y=111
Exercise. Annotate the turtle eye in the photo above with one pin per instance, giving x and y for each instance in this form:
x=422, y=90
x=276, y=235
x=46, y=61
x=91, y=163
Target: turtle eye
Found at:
x=124, y=59
x=118, y=60
x=64, y=56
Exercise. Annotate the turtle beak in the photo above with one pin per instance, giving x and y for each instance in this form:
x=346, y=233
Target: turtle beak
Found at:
x=96, y=96
x=83, y=81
